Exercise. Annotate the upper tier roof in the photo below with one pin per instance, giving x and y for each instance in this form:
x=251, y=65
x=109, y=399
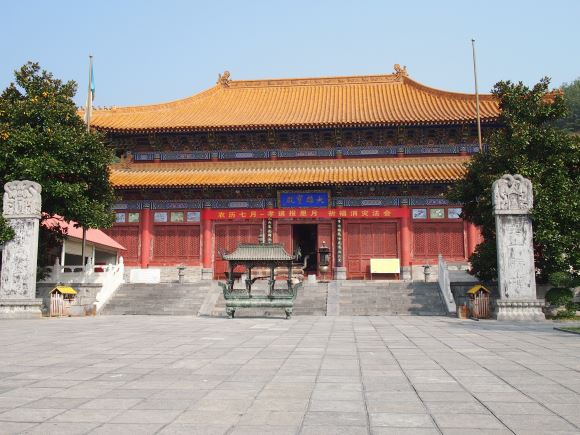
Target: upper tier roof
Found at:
x=356, y=101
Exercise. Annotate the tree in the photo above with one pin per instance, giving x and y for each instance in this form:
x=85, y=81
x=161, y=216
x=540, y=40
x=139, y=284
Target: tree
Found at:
x=571, y=122
x=531, y=145
x=43, y=139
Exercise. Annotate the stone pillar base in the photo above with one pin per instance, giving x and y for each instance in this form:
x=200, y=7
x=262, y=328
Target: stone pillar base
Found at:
x=529, y=310
x=406, y=273
x=206, y=273
x=340, y=273
x=20, y=309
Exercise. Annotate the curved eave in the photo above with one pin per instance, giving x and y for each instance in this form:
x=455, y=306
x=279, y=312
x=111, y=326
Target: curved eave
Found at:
x=281, y=184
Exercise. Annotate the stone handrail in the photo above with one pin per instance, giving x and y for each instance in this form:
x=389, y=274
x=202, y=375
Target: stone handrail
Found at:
x=445, y=285
x=109, y=277
x=112, y=279
x=89, y=274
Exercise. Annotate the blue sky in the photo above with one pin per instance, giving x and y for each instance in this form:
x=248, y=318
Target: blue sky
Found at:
x=154, y=51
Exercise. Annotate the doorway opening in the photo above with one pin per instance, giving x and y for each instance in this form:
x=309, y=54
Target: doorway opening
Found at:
x=304, y=236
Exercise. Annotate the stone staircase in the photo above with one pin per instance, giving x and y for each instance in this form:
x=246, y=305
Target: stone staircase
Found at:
x=169, y=299
x=388, y=298
x=310, y=301
x=338, y=298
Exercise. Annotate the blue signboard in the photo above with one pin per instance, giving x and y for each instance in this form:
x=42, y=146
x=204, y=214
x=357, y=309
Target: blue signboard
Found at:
x=304, y=199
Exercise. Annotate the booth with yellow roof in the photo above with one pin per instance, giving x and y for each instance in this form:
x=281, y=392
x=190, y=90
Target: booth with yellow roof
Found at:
x=479, y=302
x=61, y=298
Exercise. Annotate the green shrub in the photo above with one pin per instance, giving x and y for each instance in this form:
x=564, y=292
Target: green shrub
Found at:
x=566, y=314
x=558, y=296
x=561, y=279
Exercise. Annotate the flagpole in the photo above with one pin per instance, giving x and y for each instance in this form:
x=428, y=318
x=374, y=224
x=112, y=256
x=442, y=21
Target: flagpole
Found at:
x=476, y=98
x=88, y=109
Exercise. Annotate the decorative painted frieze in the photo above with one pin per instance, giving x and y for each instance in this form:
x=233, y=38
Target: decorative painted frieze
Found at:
x=347, y=151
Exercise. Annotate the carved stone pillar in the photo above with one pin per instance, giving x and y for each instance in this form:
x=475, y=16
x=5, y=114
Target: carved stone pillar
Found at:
x=22, y=206
x=339, y=270
x=512, y=204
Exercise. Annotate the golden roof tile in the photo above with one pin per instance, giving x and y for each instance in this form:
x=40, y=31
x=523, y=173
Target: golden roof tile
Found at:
x=358, y=101
x=288, y=172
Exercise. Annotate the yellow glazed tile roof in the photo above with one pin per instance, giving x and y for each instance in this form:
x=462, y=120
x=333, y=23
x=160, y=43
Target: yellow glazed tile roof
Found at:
x=64, y=290
x=326, y=102
x=288, y=172
x=476, y=288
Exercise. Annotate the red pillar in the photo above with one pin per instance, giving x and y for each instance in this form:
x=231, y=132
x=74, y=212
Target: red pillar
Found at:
x=206, y=228
x=472, y=238
x=145, y=237
x=405, y=237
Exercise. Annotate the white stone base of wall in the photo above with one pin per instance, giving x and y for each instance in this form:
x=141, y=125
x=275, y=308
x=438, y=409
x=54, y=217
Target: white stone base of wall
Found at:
x=21, y=309
x=206, y=273
x=530, y=310
x=417, y=273
x=162, y=274
x=190, y=274
x=340, y=273
x=406, y=273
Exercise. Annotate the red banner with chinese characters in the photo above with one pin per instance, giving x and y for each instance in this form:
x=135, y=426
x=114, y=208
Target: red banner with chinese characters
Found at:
x=307, y=213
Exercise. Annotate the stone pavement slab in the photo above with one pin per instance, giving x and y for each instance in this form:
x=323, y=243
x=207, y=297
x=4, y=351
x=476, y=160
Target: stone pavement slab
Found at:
x=308, y=375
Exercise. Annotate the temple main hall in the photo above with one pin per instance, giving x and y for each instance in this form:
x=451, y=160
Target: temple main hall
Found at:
x=358, y=164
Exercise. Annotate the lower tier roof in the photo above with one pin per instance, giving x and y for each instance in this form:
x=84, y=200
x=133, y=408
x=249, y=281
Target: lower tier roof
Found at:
x=289, y=172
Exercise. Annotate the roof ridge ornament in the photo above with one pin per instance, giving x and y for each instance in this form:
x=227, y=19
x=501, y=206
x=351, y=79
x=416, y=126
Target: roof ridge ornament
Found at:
x=400, y=72
x=224, y=79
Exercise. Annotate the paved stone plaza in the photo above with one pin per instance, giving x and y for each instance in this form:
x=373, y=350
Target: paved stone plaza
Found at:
x=309, y=375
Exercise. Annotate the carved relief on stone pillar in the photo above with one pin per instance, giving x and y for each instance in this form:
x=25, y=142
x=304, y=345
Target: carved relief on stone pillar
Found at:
x=512, y=194
x=15, y=270
x=22, y=206
x=22, y=199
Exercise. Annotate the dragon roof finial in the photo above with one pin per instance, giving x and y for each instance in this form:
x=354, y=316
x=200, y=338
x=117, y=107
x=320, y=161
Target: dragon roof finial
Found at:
x=400, y=71
x=224, y=79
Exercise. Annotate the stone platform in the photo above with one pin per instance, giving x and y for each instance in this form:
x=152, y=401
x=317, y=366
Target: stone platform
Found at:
x=307, y=375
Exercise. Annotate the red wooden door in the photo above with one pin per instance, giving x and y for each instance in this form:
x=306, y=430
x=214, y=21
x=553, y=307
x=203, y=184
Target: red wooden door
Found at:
x=128, y=236
x=369, y=240
x=227, y=237
x=325, y=235
x=173, y=244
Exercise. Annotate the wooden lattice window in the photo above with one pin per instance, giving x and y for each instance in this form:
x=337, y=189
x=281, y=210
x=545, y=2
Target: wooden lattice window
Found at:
x=176, y=243
x=434, y=238
x=128, y=236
